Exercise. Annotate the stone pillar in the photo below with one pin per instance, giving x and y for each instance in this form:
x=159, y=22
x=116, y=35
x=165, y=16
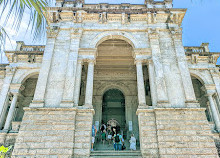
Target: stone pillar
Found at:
x=214, y=110
x=89, y=83
x=98, y=108
x=140, y=84
x=11, y=112
x=216, y=79
x=162, y=97
x=184, y=70
x=4, y=97
x=153, y=89
x=38, y=100
x=78, y=82
x=68, y=93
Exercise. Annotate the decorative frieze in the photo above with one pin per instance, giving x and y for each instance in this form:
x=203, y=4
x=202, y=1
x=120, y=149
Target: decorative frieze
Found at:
x=150, y=15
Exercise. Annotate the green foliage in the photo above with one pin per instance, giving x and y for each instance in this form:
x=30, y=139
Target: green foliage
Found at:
x=4, y=151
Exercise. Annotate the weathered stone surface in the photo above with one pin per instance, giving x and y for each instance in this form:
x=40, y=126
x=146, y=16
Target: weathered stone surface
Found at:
x=49, y=132
x=136, y=49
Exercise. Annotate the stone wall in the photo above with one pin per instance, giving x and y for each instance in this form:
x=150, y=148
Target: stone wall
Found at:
x=148, y=133
x=83, y=133
x=179, y=132
x=45, y=132
x=54, y=132
x=184, y=133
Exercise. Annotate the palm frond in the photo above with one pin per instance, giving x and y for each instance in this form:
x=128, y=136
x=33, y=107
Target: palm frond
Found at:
x=37, y=21
x=3, y=37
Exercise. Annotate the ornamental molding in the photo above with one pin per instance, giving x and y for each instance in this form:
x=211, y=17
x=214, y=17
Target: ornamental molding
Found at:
x=106, y=35
x=16, y=88
x=142, y=53
x=124, y=16
x=88, y=51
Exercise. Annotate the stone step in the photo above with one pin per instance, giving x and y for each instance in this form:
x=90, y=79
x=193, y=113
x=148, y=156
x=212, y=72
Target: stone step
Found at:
x=114, y=154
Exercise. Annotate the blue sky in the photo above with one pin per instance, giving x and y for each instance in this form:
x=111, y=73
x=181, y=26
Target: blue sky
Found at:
x=201, y=23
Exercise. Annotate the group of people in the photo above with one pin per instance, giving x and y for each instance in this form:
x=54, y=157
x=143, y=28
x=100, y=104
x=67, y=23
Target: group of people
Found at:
x=112, y=136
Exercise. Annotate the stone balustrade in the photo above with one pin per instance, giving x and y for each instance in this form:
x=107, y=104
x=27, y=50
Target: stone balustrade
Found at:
x=26, y=53
x=194, y=49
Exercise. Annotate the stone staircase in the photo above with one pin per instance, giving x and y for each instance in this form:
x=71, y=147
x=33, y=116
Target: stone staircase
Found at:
x=115, y=154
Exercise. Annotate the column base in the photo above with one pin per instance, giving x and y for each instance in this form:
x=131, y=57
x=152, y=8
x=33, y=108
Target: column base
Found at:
x=163, y=103
x=143, y=106
x=192, y=104
x=37, y=104
x=86, y=106
x=67, y=104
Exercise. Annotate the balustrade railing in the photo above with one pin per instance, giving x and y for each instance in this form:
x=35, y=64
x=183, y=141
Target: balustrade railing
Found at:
x=194, y=49
x=33, y=48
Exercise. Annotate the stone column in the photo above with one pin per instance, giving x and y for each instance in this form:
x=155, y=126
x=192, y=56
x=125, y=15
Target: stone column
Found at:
x=153, y=89
x=89, y=83
x=162, y=97
x=184, y=70
x=68, y=93
x=140, y=84
x=78, y=82
x=214, y=110
x=38, y=100
x=216, y=79
x=4, y=97
x=11, y=112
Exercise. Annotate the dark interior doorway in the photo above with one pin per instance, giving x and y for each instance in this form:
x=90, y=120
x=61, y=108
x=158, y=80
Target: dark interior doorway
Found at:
x=113, y=110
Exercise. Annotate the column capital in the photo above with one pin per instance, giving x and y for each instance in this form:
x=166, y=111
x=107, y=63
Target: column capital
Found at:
x=210, y=93
x=10, y=70
x=153, y=33
x=139, y=61
x=210, y=88
x=91, y=61
x=16, y=88
x=52, y=32
x=150, y=61
x=80, y=61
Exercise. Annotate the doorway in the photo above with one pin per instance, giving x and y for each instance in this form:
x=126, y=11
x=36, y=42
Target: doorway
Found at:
x=113, y=110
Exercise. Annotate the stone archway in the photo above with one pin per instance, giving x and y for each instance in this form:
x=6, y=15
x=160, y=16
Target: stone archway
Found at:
x=113, y=108
x=115, y=69
x=200, y=93
x=120, y=35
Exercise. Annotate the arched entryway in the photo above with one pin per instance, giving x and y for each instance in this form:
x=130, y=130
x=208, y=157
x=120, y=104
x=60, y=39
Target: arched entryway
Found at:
x=113, y=110
x=115, y=97
x=19, y=98
x=201, y=96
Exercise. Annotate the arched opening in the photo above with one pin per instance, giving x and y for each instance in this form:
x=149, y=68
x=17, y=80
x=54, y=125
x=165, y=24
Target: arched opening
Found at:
x=200, y=93
x=113, y=110
x=25, y=98
x=14, y=112
x=115, y=90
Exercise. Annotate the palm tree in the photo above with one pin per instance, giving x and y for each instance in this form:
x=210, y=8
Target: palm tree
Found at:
x=14, y=10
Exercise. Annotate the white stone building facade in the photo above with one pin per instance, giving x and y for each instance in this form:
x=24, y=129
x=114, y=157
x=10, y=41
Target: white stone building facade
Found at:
x=107, y=62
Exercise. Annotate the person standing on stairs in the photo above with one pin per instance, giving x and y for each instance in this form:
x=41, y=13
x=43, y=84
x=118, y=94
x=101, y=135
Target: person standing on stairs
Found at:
x=94, y=131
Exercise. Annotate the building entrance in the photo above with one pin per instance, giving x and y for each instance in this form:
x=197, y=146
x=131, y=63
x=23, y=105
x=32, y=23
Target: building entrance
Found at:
x=113, y=110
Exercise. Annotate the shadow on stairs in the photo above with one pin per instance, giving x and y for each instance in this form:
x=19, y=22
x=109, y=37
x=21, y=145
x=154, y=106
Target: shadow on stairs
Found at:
x=114, y=154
